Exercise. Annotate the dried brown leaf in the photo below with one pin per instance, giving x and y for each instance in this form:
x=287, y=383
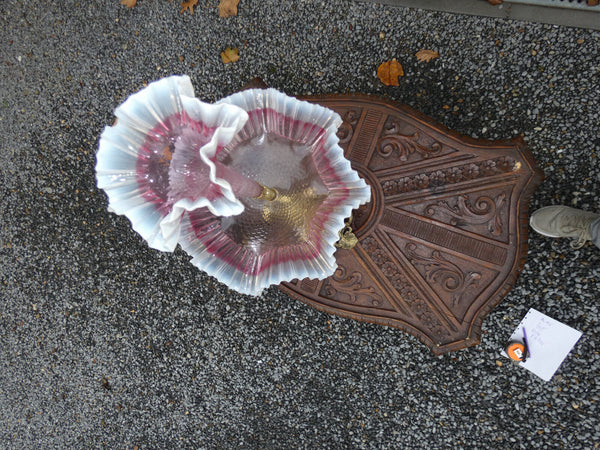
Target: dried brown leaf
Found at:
x=129, y=3
x=495, y=2
x=389, y=72
x=230, y=55
x=189, y=5
x=228, y=8
x=427, y=55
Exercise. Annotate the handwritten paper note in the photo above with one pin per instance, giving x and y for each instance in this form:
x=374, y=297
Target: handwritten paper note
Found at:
x=549, y=342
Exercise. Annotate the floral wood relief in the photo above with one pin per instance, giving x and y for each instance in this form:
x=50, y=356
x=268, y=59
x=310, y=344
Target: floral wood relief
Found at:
x=351, y=287
x=408, y=293
x=450, y=175
x=483, y=210
x=346, y=129
x=405, y=145
x=445, y=273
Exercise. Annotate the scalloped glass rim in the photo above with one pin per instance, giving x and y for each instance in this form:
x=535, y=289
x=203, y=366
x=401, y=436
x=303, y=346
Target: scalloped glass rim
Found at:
x=151, y=114
x=158, y=112
x=214, y=254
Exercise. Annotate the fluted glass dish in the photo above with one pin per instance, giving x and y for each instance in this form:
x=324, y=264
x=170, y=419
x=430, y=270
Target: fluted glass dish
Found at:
x=158, y=159
x=192, y=173
x=292, y=147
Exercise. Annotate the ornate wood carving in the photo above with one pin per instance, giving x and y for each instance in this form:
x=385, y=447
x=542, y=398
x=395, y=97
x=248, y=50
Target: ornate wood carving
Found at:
x=445, y=234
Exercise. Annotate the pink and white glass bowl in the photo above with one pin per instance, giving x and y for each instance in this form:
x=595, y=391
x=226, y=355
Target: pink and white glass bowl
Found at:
x=190, y=173
x=158, y=160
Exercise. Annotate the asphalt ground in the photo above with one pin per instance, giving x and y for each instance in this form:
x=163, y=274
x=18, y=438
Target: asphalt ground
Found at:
x=105, y=343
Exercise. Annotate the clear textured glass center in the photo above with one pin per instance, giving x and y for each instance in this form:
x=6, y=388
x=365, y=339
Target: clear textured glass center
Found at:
x=288, y=167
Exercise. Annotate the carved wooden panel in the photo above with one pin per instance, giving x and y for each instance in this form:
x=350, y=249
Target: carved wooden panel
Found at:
x=445, y=234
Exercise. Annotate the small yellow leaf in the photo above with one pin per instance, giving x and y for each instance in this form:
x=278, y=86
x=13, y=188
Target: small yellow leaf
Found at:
x=230, y=55
x=389, y=72
x=189, y=5
x=129, y=3
x=427, y=55
x=228, y=8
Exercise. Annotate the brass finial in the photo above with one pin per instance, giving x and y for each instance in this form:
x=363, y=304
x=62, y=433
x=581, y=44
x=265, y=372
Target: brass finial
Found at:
x=267, y=193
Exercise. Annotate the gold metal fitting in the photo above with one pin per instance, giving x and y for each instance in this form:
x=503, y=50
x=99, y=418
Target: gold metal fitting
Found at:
x=348, y=239
x=267, y=193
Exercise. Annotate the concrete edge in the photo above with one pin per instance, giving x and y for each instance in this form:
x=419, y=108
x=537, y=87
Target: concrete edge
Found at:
x=578, y=18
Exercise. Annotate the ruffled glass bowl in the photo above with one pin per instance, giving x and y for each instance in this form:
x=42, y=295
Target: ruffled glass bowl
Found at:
x=192, y=173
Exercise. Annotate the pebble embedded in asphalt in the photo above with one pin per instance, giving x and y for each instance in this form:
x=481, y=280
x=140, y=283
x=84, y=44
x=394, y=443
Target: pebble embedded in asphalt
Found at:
x=107, y=343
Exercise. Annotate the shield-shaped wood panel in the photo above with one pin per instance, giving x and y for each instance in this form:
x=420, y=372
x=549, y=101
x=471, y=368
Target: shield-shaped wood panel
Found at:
x=445, y=234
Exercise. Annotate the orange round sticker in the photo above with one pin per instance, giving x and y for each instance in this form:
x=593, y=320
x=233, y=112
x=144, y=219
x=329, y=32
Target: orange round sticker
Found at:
x=516, y=351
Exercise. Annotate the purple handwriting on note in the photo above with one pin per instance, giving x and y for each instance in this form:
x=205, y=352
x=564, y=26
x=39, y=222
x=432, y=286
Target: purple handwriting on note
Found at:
x=549, y=342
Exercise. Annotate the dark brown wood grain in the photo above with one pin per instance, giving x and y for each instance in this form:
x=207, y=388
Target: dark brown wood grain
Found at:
x=445, y=234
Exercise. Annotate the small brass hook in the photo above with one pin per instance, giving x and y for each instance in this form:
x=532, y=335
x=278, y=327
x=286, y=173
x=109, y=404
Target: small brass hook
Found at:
x=348, y=239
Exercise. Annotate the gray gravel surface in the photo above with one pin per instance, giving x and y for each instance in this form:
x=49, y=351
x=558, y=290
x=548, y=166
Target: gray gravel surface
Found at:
x=105, y=343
